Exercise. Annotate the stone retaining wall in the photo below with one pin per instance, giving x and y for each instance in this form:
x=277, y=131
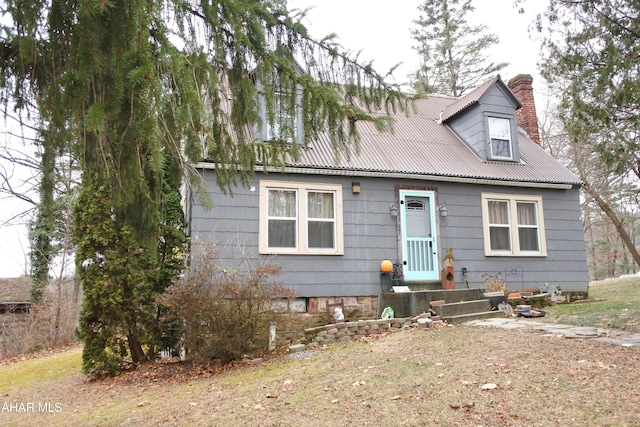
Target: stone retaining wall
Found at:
x=347, y=331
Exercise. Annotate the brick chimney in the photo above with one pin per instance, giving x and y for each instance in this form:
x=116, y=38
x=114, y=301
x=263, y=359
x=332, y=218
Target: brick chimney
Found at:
x=526, y=118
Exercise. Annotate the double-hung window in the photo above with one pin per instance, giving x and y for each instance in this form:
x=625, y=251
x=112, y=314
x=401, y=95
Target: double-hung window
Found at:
x=280, y=116
x=513, y=225
x=500, y=138
x=300, y=218
x=284, y=127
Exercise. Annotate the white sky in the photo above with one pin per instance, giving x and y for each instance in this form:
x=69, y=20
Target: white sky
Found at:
x=381, y=29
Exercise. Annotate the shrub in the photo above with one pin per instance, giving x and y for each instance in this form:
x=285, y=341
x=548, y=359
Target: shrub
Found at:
x=48, y=324
x=226, y=313
x=494, y=283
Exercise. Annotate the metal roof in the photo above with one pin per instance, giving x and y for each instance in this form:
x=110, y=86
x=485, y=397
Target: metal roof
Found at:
x=420, y=145
x=475, y=96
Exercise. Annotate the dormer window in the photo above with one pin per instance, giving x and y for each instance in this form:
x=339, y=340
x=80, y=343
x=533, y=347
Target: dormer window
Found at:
x=285, y=124
x=284, y=127
x=500, y=144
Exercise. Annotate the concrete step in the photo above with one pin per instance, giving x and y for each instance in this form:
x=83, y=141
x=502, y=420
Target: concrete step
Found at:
x=424, y=285
x=464, y=307
x=407, y=304
x=462, y=318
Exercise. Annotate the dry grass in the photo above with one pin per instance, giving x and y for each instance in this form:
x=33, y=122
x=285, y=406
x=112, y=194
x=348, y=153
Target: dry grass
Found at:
x=458, y=376
x=409, y=378
x=614, y=304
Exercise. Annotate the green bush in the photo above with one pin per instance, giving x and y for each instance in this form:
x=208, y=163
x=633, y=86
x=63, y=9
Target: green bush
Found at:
x=226, y=314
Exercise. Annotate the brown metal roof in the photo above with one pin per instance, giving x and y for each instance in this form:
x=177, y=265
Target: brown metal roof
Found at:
x=474, y=97
x=420, y=145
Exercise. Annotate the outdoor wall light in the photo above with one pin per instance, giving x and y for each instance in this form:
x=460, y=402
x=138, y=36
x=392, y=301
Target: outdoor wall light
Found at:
x=355, y=187
x=443, y=210
x=393, y=209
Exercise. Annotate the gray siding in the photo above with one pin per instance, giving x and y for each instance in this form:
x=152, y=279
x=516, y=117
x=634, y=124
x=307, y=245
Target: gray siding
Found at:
x=370, y=235
x=470, y=126
x=565, y=264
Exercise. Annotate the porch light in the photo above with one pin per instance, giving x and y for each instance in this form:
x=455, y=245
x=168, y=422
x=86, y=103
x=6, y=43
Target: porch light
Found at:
x=393, y=209
x=443, y=210
x=355, y=187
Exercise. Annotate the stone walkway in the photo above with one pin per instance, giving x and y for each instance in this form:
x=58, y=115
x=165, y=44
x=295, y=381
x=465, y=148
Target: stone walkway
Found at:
x=611, y=336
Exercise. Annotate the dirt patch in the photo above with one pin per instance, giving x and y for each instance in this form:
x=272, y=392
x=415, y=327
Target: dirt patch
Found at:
x=460, y=376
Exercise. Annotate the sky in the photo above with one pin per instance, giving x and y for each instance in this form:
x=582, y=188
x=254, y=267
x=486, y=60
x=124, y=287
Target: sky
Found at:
x=380, y=29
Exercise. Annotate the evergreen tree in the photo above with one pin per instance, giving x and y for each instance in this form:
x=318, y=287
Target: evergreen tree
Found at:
x=452, y=52
x=32, y=57
x=132, y=83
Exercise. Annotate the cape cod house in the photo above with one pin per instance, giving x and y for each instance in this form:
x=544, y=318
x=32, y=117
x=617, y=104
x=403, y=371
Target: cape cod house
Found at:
x=462, y=174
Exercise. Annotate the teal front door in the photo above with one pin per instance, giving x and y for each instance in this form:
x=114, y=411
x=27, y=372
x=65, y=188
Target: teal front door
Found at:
x=419, y=248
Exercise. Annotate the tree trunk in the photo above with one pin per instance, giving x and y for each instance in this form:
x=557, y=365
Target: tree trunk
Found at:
x=617, y=222
x=592, y=245
x=135, y=348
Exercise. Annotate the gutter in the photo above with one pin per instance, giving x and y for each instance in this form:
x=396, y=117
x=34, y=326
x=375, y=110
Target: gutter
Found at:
x=372, y=174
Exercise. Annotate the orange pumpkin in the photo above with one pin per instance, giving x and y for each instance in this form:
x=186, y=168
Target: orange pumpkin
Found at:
x=386, y=266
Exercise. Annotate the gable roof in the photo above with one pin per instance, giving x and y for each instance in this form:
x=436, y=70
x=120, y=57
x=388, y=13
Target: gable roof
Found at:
x=476, y=95
x=421, y=147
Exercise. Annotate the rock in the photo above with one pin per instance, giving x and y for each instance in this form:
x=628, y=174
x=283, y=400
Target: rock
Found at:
x=296, y=348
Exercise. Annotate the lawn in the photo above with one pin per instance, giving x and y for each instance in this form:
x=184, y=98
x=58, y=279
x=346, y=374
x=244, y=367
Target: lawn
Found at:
x=458, y=376
x=613, y=304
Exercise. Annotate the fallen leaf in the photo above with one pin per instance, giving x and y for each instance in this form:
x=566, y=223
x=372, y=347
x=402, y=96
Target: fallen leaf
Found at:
x=466, y=405
x=396, y=397
x=334, y=401
x=271, y=395
x=489, y=386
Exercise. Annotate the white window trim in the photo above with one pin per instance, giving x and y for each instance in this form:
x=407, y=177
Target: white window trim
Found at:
x=292, y=118
x=513, y=199
x=510, y=140
x=301, y=244
x=265, y=129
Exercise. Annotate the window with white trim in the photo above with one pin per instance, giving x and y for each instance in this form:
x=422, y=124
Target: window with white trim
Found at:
x=300, y=218
x=281, y=119
x=500, y=138
x=284, y=127
x=513, y=225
